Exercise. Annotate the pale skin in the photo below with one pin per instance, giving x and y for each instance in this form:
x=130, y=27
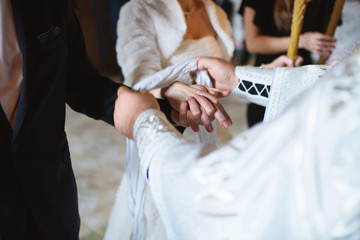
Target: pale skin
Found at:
x=198, y=25
x=258, y=43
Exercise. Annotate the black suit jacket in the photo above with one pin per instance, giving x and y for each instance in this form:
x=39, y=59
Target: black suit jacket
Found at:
x=35, y=168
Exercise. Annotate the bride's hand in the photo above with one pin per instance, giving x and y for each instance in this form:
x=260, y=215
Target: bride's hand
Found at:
x=179, y=92
x=186, y=118
x=196, y=105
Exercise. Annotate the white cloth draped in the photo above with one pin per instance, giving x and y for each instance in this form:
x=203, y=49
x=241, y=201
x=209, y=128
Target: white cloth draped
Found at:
x=136, y=180
x=207, y=46
x=294, y=177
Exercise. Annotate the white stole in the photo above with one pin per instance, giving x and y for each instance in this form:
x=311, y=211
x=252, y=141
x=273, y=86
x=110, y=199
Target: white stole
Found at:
x=137, y=180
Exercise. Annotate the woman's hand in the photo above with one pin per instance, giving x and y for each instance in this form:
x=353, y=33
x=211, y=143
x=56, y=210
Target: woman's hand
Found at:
x=194, y=105
x=284, y=61
x=179, y=92
x=318, y=43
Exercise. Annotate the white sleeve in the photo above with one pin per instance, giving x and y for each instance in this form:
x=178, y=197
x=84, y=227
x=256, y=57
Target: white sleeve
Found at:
x=136, y=46
x=254, y=84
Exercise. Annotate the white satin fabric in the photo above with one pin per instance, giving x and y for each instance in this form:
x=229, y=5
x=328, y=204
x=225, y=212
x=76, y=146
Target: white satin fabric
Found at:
x=294, y=177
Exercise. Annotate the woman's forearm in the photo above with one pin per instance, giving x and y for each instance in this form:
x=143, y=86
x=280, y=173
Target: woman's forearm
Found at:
x=263, y=44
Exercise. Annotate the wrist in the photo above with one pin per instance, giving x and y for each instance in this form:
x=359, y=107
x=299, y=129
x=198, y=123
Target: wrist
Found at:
x=167, y=91
x=235, y=82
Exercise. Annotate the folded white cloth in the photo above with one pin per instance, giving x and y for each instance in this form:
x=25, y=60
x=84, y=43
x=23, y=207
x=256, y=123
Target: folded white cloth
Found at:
x=136, y=180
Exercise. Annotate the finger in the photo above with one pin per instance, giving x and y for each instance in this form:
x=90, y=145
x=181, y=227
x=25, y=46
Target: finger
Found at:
x=206, y=121
x=175, y=117
x=206, y=105
x=223, y=117
x=192, y=122
x=183, y=114
x=298, y=61
x=325, y=48
x=194, y=108
x=219, y=93
x=209, y=96
x=287, y=62
x=326, y=38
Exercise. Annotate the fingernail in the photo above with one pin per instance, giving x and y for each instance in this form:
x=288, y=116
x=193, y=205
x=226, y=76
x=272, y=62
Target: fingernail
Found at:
x=225, y=124
x=209, y=128
x=195, y=129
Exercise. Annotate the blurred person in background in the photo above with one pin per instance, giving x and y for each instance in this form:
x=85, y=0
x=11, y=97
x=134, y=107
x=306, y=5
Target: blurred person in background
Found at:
x=267, y=34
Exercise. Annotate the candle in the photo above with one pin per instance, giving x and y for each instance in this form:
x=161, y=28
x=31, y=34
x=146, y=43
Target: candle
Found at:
x=333, y=22
x=296, y=26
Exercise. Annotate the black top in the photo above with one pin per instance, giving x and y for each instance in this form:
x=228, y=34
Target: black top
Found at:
x=316, y=18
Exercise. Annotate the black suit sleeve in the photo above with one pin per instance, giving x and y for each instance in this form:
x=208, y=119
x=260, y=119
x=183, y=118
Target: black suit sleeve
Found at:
x=87, y=91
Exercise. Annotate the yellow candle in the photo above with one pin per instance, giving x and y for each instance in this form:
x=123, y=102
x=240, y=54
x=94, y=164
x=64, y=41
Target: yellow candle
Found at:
x=334, y=20
x=296, y=27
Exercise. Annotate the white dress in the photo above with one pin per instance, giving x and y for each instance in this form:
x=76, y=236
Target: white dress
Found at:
x=294, y=177
x=150, y=38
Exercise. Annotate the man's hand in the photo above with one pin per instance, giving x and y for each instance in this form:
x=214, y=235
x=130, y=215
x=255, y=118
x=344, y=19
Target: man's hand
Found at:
x=128, y=106
x=221, y=72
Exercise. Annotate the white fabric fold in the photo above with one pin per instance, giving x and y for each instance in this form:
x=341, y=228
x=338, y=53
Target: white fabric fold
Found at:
x=296, y=177
x=136, y=179
x=289, y=83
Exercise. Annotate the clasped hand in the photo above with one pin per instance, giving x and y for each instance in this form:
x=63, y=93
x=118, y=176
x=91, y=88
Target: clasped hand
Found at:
x=195, y=105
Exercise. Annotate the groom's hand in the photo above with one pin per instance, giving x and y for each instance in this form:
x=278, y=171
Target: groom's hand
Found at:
x=128, y=106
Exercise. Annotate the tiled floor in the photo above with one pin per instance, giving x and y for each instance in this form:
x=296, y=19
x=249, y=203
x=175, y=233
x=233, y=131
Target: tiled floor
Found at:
x=97, y=153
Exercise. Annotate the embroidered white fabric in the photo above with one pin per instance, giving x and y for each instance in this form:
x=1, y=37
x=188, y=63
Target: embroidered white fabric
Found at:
x=288, y=83
x=254, y=84
x=273, y=88
x=296, y=177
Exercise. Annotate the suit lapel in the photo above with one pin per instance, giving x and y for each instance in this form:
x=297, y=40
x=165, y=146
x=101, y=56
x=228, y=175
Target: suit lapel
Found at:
x=31, y=19
x=23, y=103
x=5, y=122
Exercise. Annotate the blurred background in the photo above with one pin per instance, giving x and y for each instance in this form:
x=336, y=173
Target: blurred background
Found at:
x=97, y=150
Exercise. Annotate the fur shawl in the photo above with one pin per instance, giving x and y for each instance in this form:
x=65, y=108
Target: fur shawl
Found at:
x=151, y=30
